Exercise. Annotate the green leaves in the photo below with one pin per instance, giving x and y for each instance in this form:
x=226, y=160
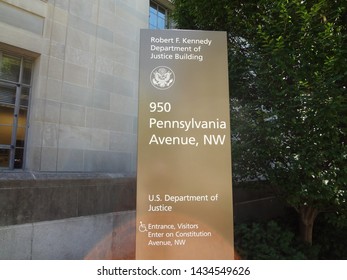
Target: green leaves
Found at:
x=266, y=242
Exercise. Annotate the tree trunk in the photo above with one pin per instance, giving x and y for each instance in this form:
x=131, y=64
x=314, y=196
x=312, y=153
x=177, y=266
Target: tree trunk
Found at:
x=307, y=216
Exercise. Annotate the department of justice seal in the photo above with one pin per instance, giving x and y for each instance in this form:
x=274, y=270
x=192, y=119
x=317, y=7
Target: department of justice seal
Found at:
x=162, y=77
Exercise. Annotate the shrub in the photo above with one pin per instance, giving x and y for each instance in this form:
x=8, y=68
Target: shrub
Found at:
x=332, y=238
x=276, y=240
x=268, y=241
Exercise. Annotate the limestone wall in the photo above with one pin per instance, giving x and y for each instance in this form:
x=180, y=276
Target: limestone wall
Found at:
x=83, y=109
x=67, y=216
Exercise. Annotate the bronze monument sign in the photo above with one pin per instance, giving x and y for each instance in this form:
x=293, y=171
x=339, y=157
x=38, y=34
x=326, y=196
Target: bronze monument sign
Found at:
x=184, y=193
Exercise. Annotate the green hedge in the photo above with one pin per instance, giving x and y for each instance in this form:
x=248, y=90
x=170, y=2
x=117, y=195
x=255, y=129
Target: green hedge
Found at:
x=266, y=241
x=277, y=240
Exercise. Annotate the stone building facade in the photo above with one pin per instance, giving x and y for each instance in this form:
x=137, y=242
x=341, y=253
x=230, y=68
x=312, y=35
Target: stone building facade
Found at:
x=68, y=125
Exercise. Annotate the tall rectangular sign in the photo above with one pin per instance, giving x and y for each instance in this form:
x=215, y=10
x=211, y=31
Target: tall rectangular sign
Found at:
x=184, y=193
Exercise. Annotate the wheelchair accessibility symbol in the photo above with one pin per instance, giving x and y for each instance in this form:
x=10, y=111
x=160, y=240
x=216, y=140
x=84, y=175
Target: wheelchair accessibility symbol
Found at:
x=142, y=227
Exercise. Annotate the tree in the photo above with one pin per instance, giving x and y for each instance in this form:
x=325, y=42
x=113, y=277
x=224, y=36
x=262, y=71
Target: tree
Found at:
x=288, y=66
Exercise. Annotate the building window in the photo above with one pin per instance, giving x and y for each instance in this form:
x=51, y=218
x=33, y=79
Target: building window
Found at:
x=158, y=16
x=15, y=86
